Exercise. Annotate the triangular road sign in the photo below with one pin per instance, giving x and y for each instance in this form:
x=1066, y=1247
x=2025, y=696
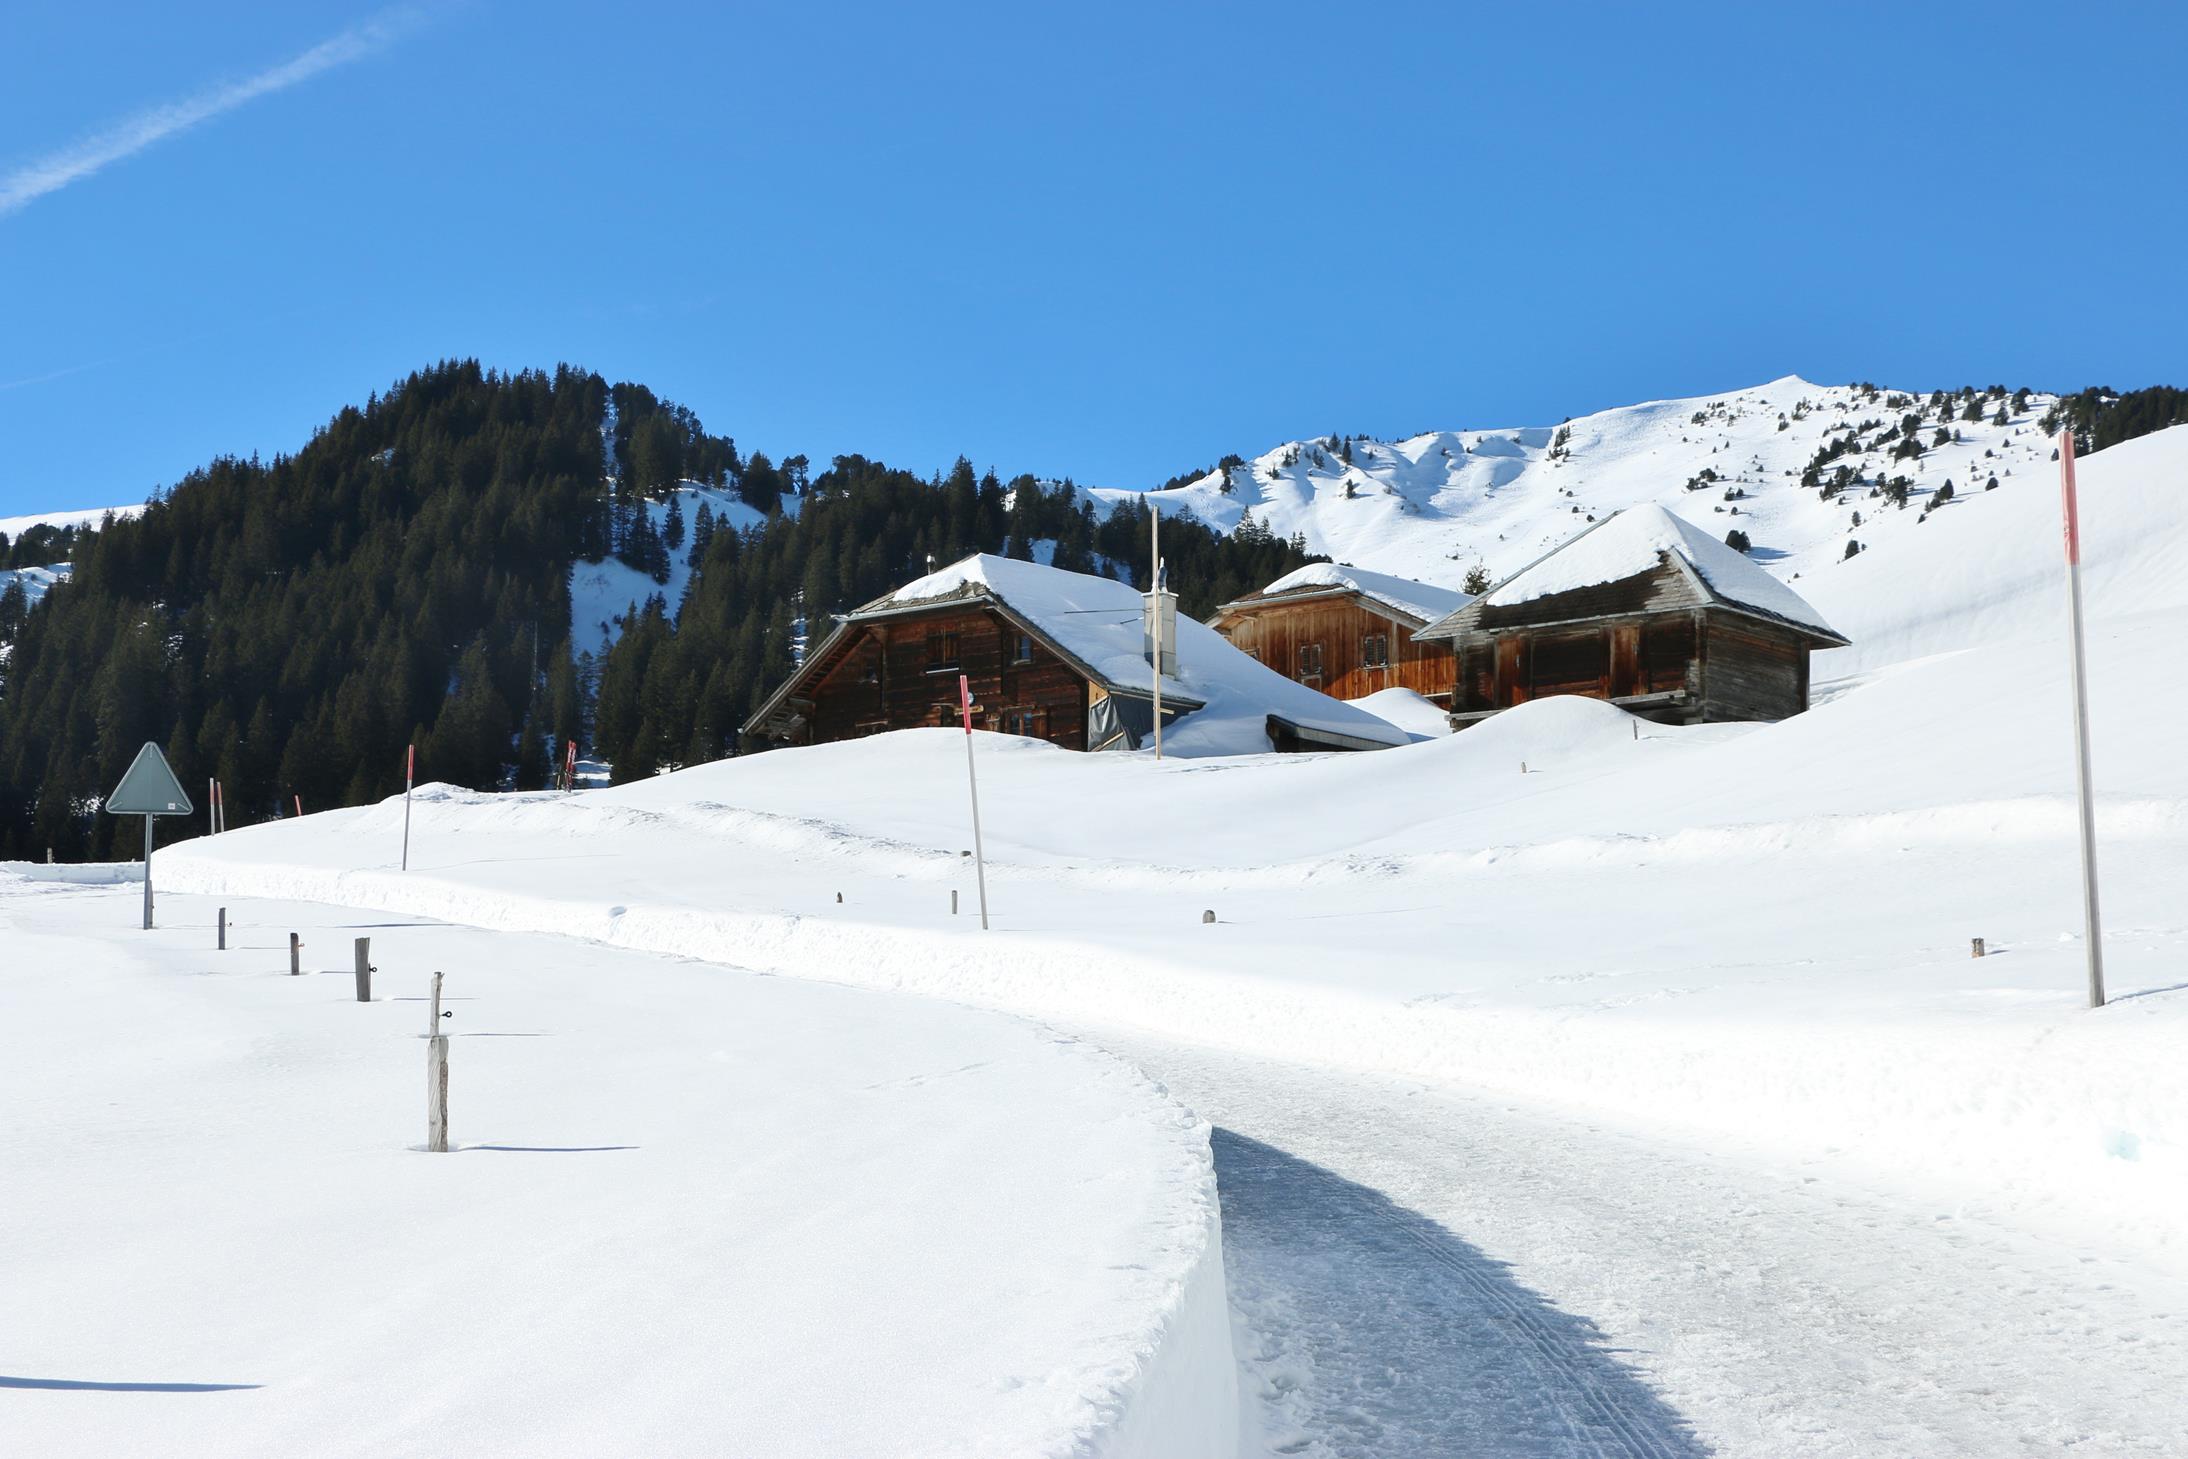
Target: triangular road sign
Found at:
x=149, y=788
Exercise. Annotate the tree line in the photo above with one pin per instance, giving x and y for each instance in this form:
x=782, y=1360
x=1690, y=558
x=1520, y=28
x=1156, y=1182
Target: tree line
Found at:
x=289, y=626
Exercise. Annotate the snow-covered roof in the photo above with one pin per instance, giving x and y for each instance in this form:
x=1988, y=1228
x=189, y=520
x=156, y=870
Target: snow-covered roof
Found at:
x=1097, y=622
x=1637, y=540
x=1422, y=602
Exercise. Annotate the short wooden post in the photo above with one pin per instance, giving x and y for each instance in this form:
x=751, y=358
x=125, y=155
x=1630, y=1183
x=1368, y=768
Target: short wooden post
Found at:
x=223, y=929
x=1208, y=916
x=839, y=897
x=296, y=955
x=1975, y=947
x=364, y=970
x=953, y=901
x=436, y=1078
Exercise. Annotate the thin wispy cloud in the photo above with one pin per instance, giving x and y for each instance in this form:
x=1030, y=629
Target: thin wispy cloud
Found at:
x=79, y=160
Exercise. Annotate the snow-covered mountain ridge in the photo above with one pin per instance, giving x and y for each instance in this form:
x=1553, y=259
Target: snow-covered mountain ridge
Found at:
x=1434, y=505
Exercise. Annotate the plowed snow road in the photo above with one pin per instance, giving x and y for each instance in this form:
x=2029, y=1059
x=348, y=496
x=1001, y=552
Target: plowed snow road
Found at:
x=1428, y=1272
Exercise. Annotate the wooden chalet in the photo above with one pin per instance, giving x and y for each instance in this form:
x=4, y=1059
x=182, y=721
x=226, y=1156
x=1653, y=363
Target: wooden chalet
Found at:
x=1347, y=631
x=1059, y=656
x=1643, y=609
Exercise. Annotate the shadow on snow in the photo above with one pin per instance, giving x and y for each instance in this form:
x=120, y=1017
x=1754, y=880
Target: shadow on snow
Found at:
x=1404, y=1340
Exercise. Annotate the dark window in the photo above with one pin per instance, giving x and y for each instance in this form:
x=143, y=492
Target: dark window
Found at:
x=941, y=650
x=1310, y=661
x=1022, y=649
x=1375, y=650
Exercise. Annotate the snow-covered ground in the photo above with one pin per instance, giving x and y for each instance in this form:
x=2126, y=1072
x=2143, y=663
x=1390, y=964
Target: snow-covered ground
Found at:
x=15, y=527
x=602, y=593
x=1435, y=504
x=689, y=1210
x=1723, y=964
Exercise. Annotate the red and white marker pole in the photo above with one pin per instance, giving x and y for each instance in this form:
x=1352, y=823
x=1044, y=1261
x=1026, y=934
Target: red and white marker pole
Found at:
x=2092, y=927
x=569, y=768
x=979, y=855
x=410, y=776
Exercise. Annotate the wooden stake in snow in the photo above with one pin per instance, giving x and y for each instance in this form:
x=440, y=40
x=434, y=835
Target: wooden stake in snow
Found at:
x=1975, y=947
x=410, y=776
x=364, y=970
x=953, y=901
x=223, y=929
x=972, y=780
x=1154, y=583
x=436, y=1077
x=296, y=955
x=2092, y=926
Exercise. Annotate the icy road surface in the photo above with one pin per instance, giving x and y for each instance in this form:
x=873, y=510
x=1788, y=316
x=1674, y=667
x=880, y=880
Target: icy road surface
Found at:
x=1429, y=1272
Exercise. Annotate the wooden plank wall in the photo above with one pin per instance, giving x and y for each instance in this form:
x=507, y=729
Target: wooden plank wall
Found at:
x=1275, y=631
x=892, y=679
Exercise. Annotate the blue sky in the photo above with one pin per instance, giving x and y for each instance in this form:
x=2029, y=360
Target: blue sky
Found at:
x=1109, y=241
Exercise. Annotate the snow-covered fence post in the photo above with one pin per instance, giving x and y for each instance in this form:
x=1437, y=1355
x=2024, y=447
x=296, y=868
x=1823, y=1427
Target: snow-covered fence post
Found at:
x=296, y=955
x=364, y=970
x=436, y=1077
x=2092, y=925
x=979, y=854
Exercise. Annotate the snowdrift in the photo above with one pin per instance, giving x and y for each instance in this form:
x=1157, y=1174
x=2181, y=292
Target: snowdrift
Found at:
x=687, y=1211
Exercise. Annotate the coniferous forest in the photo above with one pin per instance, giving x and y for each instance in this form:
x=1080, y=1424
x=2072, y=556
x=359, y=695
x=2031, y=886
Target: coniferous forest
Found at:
x=290, y=626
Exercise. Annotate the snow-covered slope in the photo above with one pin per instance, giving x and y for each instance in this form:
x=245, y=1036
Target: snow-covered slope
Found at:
x=602, y=593
x=15, y=527
x=1433, y=505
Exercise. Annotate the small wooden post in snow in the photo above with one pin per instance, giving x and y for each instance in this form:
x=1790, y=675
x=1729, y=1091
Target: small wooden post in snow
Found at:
x=296, y=955
x=364, y=970
x=1975, y=947
x=972, y=780
x=436, y=1078
x=223, y=929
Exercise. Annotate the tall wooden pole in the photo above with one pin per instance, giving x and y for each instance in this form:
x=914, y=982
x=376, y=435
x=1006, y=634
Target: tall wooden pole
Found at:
x=2092, y=926
x=979, y=853
x=1154, y=609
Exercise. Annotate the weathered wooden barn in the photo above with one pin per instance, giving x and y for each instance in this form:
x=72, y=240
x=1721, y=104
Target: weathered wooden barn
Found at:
x=1346, y=631
x=1643, y=609
x=1054, y=655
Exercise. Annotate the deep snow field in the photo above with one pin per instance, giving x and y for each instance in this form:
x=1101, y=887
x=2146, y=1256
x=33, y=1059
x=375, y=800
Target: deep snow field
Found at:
x=687, y=1210
x=1580, y=1086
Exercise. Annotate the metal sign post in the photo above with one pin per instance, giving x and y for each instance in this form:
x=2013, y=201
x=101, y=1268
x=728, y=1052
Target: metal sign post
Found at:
x=2092, y=929
x=149, y=788
x=979, y=855
x=410, y=775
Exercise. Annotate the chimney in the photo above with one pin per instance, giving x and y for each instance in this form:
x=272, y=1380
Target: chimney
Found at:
x=1161, y=611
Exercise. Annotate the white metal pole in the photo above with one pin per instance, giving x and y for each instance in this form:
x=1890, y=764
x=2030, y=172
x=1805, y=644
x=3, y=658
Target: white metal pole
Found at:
x=1154, y=608
x=979, y=854
x=410, y=775
x=212, y=807
x=2092, y=926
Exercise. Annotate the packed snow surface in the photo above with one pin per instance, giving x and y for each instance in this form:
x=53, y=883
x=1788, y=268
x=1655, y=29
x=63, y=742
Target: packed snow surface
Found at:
x=1424, y=601
x=1101, y=622
x=1632, y=543
x=689, y=1210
